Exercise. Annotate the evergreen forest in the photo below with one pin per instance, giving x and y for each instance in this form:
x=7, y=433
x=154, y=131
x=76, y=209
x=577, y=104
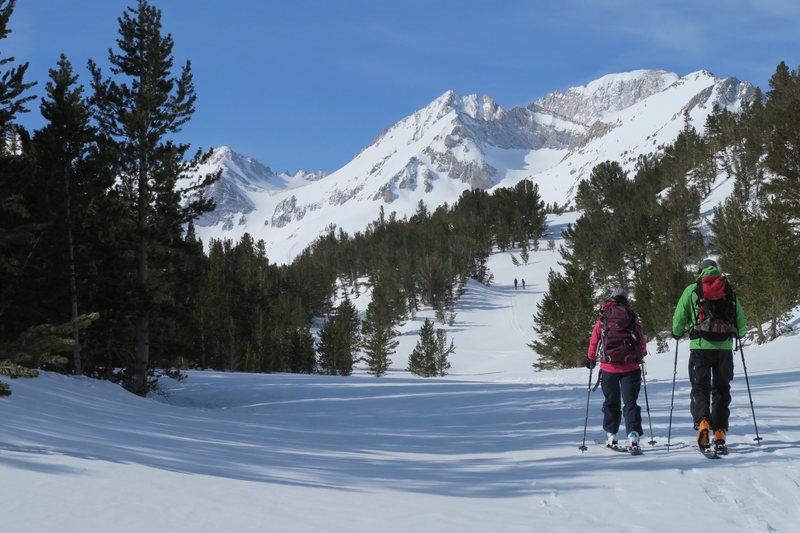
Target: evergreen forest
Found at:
x=103, y=275
x=644, y=232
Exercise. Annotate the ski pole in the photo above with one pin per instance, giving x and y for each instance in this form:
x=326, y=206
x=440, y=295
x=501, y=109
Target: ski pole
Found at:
x=747, y=380
x=583, y=447
x=672, y=400
x=652, y=441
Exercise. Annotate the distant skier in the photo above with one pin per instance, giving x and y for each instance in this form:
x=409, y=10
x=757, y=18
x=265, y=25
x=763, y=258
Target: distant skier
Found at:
x=619, y=342
x=515, y=283
x=523, y=283
x=714, y=316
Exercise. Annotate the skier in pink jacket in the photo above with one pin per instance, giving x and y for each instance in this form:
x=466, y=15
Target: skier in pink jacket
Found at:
x=619, y=343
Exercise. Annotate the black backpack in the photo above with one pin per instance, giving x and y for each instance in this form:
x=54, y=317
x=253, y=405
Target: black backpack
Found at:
x=716, y=309
x=620, y=335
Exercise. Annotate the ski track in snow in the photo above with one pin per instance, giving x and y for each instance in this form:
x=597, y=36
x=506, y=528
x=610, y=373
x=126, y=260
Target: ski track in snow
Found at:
x=736, y=499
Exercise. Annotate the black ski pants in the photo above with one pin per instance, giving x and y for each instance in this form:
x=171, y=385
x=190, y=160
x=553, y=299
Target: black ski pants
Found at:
x=710, y=373
x=619, y=388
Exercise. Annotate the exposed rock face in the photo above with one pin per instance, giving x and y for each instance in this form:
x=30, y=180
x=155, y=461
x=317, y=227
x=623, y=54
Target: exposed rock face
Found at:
x=230, y=200
x=242, y=177
x=288, y=211
x=477, y=174
x=588, y=104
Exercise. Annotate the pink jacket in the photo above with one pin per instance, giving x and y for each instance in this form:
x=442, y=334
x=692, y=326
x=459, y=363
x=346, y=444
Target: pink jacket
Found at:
x=594, y=342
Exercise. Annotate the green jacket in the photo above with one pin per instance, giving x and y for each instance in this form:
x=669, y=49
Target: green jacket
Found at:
x=686, y=316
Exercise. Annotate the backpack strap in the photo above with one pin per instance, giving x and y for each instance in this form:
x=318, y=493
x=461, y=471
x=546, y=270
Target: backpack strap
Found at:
x=697, y=310
x=600, y=355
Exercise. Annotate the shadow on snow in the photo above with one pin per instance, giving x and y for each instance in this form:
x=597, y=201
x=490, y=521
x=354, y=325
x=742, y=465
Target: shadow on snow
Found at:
x=465, y=439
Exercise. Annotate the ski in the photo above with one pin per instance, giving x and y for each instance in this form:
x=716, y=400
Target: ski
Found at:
x=620, y=449
x=709, y=453
x=617, y=448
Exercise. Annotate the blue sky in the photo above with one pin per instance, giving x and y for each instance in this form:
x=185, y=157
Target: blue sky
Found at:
x=305, y=84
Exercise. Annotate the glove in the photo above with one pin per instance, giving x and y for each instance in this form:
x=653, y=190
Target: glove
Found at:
x=590, y=363
x=676, y=337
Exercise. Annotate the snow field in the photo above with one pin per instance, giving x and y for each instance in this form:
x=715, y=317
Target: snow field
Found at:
x=491, y=447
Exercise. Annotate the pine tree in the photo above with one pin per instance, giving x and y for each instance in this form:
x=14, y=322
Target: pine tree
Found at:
x=182, y=332
x=779, y=249
x=422, y=361
x=12, y=83
x=378, y=335
x=443, y=353
x=18, y=233
x=329, y=347
x=339, y=340
x=761, y=256
x=595, y=238
x=67, y=194
x=215, y=306
x=531, y=210
x=523, y=254
x=350, y=325
x=655, y=288
x=138, y=110
x=783, y=155
x=303, y=358
x=39, y=345
x=564, y=319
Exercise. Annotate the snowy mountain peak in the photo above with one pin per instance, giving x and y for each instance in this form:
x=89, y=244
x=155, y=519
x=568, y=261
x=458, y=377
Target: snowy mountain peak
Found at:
x=242, y=179
x=479, y=107
x=445, y=99
x=458, y=143
x=474, y=106
x=244, y=169
x=221, y=152
x=703, y=73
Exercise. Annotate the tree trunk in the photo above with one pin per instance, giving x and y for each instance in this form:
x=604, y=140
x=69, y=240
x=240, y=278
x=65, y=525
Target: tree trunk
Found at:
x=203, y=364
x=142, y=320
x=73, y=285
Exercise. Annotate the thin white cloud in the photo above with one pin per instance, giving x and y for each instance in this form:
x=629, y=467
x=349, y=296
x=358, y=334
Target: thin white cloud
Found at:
x=687, y=27
x=779, y=8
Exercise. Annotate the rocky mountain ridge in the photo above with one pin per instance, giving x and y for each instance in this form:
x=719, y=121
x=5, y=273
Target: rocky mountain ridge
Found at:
x=457, y=143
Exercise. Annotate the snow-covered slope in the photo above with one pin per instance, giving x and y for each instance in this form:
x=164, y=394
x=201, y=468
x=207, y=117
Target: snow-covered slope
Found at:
x=457, y=143
x=493, y=447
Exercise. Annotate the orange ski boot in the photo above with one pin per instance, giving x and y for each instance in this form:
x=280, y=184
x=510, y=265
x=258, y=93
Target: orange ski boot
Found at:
x=703, y=429
x=719, y=442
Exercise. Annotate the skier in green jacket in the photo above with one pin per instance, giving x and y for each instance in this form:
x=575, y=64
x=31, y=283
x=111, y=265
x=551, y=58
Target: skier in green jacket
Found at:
x=714, y=317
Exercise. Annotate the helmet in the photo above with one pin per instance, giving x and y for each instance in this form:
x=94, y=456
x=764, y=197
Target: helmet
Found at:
x=705, y=263
x=618, y=295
